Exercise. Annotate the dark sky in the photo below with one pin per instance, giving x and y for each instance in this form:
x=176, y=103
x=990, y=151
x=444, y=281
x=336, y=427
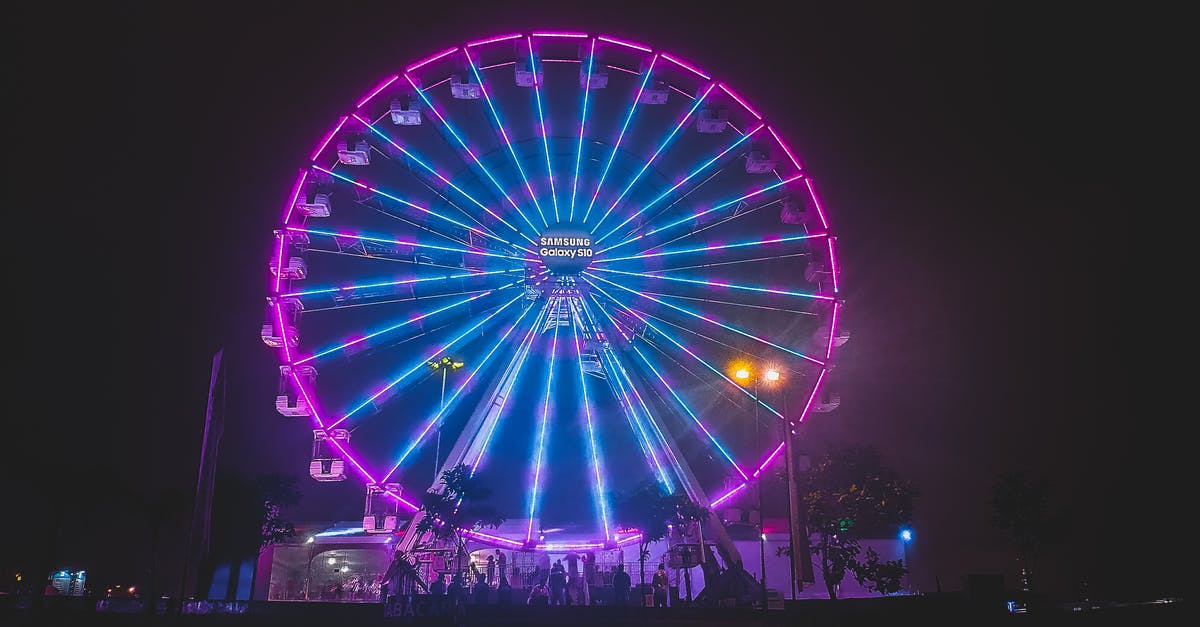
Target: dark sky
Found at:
x=966, y=154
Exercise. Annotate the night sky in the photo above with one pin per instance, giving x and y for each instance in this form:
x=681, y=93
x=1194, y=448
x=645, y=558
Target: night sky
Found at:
x=966, y=155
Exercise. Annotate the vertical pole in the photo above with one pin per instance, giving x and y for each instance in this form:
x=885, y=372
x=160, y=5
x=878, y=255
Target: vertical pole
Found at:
x=796, y=533
x=437, y=455
x=762, y=541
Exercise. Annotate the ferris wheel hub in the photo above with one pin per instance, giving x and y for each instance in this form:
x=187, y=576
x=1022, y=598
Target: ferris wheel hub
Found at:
x=565, y=249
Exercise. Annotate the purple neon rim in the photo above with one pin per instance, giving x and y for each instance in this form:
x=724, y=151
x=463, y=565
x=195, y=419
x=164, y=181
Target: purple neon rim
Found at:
x=320, y=161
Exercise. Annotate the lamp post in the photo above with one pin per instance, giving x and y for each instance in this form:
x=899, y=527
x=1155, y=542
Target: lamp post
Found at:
x=445, y=364
x=746, y=377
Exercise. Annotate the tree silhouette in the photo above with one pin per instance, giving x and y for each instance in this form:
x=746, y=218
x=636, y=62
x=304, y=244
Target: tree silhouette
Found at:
x=849, y=495
x=1020, y=507
x=649, y=509
x=460, y=504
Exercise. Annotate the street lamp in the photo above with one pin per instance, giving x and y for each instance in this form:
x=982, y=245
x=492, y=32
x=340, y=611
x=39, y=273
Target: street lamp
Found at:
x=742, y=372
x=445, y=364
x=906, y=536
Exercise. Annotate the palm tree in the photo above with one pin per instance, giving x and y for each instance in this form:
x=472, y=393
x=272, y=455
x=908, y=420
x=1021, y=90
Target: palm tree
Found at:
x=459, y=505
x=649, y=509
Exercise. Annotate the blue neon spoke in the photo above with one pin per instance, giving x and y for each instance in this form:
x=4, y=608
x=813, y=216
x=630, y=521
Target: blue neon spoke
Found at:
x=620, y=136
x=507, y=142
x=685, y=349
x=657, y=152
x=598, y=479
x=712, y=321
x=587, y=90
x=541, y=441
x=700, y=214
x=424, y=361
x=450, y=401
x=439, y=176
x=537, y=94
x=446, y=124
x=694, y=173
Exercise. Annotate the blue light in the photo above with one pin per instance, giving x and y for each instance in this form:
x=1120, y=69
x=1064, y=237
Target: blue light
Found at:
x=906, y=534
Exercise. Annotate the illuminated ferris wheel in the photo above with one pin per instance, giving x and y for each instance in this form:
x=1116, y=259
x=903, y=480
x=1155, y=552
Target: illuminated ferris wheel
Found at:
x=564, y=259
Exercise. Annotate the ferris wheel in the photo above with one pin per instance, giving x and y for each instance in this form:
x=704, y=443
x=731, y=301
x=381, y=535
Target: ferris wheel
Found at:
x=569, y=261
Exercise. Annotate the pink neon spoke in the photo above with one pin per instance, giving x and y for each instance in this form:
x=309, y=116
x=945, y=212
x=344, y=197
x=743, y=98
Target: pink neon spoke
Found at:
x=561, y=34
x=728, y=494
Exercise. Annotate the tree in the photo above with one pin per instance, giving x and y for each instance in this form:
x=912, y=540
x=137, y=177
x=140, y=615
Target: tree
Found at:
x=1020, y=507
x=850, y=495
x=460, y=504
x=248, y=515
x=649, y=509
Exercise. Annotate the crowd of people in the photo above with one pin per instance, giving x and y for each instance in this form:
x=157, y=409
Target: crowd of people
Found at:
x=558, y=585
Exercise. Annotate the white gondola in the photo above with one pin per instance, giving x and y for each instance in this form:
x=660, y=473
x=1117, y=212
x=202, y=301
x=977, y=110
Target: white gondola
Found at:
x=759, y=162
x=592, y=365
x=525, y=77
x=295, y=268
x=827, y=402
x=404, y=114
x=328, y=462
x=464, y=90
x=710, y=121
x=598, y=79
x=840, y=337
x=794, y=211
x=354, y=151
x=814, y=271
x=273, y=339
x=655, y=95
x=314, y=205
x=382, y=512
x=285, y=406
